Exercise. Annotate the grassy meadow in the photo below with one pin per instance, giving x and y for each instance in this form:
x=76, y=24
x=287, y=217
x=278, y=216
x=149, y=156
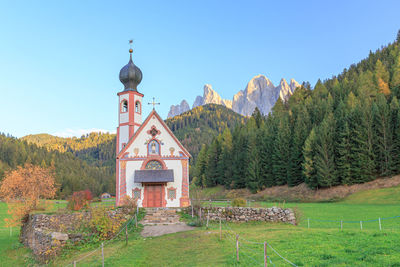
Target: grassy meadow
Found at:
x=323, y=244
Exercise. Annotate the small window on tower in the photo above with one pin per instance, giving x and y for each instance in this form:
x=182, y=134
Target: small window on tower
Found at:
x=125, y=106
x=137, y=107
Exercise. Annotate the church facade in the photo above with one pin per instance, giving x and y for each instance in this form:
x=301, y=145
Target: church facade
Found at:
x=152, y=166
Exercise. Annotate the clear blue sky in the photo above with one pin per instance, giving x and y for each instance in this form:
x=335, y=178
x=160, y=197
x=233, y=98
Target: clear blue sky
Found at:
x=60, y=60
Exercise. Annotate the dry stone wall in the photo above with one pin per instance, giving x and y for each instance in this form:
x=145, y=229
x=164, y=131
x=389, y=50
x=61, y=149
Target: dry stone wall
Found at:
x=47, y=234
x=244, y=214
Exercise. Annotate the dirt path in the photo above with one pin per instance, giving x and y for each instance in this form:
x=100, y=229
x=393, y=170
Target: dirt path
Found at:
x=158, y=230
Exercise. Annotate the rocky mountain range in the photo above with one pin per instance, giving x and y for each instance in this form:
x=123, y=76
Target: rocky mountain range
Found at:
x=259, y=92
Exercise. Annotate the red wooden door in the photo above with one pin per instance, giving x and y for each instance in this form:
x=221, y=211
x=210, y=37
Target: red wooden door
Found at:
x=154, y=195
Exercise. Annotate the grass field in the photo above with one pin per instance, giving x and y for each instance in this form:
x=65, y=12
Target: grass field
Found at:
x=323, y=244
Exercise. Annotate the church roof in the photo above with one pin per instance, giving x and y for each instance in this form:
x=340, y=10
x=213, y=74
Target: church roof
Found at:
x=153, y=112
x=154, y=176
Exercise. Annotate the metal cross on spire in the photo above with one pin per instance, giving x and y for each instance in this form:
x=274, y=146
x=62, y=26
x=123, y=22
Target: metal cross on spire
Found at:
x=154, y=103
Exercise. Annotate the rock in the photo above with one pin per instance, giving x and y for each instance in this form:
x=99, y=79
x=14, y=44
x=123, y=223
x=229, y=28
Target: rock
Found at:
x=178, y=109
x=59, y=236
x=259, y=92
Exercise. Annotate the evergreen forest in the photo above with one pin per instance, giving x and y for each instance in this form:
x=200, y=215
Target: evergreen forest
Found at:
x=346, y=130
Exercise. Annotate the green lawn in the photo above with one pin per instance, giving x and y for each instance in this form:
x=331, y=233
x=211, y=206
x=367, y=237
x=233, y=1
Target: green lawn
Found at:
x=376, y=196
x=323, y=244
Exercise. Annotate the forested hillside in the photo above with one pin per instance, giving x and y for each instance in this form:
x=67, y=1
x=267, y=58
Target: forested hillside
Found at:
x=344, y=131
x=199, y=125
x=72, y=173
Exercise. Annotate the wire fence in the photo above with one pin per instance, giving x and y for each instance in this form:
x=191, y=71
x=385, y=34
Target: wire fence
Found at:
x=248, y=252
x=382, y=223
x=125, y=229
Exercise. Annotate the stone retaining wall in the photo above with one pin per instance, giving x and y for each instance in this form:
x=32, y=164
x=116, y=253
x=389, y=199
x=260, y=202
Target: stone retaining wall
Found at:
x=244, y=214
x=47, y=234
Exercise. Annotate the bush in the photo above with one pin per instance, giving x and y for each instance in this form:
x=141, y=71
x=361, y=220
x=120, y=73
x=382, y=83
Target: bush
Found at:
x=96, y=199
x=103, y=225
x=239, y=202
x=79, y=200
x=129, y=205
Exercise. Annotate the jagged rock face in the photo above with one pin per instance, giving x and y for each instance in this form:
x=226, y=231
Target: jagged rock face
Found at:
x=178, y=109
x=259, y=92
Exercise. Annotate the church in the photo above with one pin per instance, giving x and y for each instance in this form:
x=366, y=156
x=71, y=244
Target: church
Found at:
x=152, y=165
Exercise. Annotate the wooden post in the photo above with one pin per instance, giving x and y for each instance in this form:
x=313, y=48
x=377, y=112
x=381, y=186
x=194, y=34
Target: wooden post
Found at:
x=136, y=220
x=308, y=223
x=200, y=213
x=361, y=225
x=220, y=229
x=192, y=210
x=209, y=203
x=102, y=253
x=341, y=225
x=74, y=263
x=126, y=234
x=237, y=247
x=380, y=225
x=10, y=230
x=208, y=217
x=265, y=254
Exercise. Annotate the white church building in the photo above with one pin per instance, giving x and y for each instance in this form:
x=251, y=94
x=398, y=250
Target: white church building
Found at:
x=152, y=165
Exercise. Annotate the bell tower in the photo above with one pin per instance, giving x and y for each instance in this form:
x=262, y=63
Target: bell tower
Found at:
x=129, y=103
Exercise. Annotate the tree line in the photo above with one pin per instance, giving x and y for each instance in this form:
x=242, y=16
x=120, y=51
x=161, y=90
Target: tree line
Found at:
x=345, y=130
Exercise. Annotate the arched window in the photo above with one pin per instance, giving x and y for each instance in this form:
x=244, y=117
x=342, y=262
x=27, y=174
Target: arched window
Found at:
x=154, y=148
x=124, y=106
x=137, y=107
x=153, y=165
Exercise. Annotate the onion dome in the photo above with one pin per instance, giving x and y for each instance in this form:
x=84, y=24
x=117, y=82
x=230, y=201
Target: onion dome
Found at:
x=130, y=75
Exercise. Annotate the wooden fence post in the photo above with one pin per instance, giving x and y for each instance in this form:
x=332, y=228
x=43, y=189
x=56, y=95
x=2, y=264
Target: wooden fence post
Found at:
x=126, y=234
x=380, y=225
x=308, y=223
x=361, y=225
x=200, y=214
x=102, y=253
x=265, y=254
x=136, y=220
x=192, y=210
x=208, y=217
x=237, y=247
x=341, y=224
x=74, y=263
x=220, y=229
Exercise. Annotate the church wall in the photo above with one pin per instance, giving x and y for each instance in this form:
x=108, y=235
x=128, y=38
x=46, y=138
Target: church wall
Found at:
x=123, y=135
x=123, y=116
x=130, y=173
x=177, y=184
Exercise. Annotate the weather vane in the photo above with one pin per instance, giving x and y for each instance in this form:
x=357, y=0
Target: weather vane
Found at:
x=130, y=46
x=154, y=103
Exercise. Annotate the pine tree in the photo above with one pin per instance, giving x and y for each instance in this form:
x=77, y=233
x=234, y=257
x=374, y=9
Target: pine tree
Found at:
x=324, y=160
x=395, y=132
x=200, y=167
x=309, y=164
x=301, y=130
x=382, y=135
x=281, y=152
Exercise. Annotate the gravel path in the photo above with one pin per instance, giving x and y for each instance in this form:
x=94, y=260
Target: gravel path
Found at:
x=157, y=230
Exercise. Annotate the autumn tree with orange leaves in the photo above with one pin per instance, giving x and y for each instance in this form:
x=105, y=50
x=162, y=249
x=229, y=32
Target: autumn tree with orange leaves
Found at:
x=24, y=187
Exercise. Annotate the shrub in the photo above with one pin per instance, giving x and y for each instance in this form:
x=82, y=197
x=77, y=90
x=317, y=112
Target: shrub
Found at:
x=239, y=202
x=96, y=199
x=129, y=205
x=102, y=224
x=79, y=200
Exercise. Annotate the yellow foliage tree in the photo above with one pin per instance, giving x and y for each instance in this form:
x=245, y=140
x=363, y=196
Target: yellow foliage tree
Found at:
x=23, y=188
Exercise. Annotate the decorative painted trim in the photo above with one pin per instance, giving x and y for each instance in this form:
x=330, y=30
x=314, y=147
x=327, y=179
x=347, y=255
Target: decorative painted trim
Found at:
x=154, y=113
x=184, y=200
x=171, y=189
x=130, y=92
x=159, y=147
x=157, y=158
x=153, y=128
x=136, y=189
x=129, y=124
x=122, y=187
